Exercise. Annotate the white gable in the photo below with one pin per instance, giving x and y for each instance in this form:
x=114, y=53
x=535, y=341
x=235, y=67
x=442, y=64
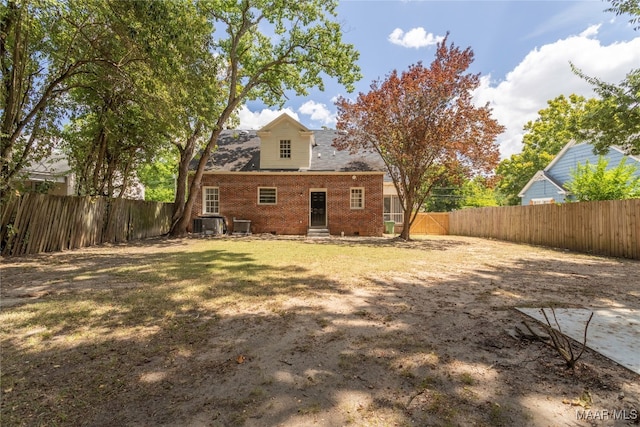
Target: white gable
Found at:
x=285, y=144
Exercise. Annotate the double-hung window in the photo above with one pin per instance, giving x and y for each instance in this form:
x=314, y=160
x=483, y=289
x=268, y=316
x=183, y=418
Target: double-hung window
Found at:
x=357, y=198
x=210, y=200
x=285, y=148
x=267, y=196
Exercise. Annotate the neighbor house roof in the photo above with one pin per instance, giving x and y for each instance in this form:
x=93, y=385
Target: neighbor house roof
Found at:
x=239, y=151
x=52, y=168
x=573, y=142
x=540, y=176
x=548, y=172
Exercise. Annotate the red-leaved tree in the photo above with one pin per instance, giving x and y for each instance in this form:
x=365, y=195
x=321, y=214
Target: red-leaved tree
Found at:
x=423, y=124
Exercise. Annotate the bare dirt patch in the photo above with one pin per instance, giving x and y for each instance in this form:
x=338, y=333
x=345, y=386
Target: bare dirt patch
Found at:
x=268, y=331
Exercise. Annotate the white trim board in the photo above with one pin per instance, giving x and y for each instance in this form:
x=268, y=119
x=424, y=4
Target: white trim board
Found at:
x=613, y=332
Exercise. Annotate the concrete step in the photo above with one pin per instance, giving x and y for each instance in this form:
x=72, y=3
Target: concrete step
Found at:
x=318, y=233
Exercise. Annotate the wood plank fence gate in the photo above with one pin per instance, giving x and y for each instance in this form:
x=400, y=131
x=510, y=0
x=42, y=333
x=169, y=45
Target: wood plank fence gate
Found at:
x=431, y=223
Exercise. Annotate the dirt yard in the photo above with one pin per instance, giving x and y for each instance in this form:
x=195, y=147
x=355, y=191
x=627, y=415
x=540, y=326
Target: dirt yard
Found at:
x=264, y=331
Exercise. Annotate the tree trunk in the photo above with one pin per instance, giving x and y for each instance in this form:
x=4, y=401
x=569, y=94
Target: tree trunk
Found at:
x=405, y=234
x=186, y=154
x=408, y=217
x=181, y=224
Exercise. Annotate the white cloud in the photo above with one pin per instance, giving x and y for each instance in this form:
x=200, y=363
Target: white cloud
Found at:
x=545, y=74
x=318, y=112
x=591, y=31
x=256, y=120
x=416, y=37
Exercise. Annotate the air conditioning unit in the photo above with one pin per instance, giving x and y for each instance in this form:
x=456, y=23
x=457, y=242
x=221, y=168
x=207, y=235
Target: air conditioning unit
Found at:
x=210, y=225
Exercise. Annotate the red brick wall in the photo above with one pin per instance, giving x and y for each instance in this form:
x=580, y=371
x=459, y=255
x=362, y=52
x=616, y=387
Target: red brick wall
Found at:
x=239, y=199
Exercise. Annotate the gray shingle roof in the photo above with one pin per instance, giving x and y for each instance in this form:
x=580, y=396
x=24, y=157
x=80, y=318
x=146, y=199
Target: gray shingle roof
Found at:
x=239, y=151
x=325, y=157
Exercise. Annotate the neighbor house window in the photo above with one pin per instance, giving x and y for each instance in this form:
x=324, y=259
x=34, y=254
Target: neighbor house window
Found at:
x=357, y=198
x=267, y=196
x=210, y=200
x=285, y=148
x=393, y=209
x=544, y=201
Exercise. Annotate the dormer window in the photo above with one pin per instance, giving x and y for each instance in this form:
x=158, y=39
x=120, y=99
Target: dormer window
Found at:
x=285, y=148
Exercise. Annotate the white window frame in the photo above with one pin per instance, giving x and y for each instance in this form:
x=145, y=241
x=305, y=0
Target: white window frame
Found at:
x=396, y=214
x=356, y=198
x=214, y=202
x=260, y=196
x=543, y=201
x=285, y=148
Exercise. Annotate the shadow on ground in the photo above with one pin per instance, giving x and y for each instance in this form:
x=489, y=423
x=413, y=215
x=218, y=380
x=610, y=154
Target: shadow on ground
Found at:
x=169, y=334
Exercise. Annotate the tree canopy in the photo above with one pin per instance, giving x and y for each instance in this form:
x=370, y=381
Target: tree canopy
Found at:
x=616, y=120
x=555, y=126
x=423, y=124
x=44, y=45
x=131, y=78
x=269, y=49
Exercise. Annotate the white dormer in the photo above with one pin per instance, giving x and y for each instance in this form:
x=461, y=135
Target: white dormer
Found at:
x=285, y=144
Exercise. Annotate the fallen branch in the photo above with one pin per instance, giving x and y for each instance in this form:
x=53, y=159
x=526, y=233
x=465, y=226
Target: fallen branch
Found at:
x=558, y=340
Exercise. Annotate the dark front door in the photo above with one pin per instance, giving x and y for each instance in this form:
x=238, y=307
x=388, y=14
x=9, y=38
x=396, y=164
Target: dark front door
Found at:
x=318, y=209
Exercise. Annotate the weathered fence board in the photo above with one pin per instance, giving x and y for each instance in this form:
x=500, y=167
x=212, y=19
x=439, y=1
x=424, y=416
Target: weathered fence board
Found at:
x=34, y=223
x=607, y=228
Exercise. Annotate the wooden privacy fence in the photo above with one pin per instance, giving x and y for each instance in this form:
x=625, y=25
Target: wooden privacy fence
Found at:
x=606, y=228
x=34, y=223
x=431, y=223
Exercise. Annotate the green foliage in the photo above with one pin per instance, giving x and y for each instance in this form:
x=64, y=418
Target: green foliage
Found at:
x=629, y=7
x=267, y=48
x=615, y=120
x=45, y=45
x=446, y=193
x=120, y=120
x=443, y=199
x=472, y=193
x=555, y=126
x=596, y=182
x=158, y=179
x=477, y=193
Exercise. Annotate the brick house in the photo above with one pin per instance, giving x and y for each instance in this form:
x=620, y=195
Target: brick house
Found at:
x=287, y=179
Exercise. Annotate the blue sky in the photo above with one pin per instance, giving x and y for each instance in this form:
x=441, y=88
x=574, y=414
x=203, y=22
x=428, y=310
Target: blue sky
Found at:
x=522, y=51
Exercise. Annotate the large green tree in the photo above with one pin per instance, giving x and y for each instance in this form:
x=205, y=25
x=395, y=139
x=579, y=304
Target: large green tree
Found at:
x=269, y=48
x=44, y=44
x=544, y=137
x=120, y=121
x=616, y=120
x=423, y=124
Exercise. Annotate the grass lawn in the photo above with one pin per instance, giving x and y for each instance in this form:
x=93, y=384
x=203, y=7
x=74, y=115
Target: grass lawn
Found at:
x=287, y=331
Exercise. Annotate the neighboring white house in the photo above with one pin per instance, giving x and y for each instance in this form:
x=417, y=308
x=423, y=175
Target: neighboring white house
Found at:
x=548, y=185
x=54, y=176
